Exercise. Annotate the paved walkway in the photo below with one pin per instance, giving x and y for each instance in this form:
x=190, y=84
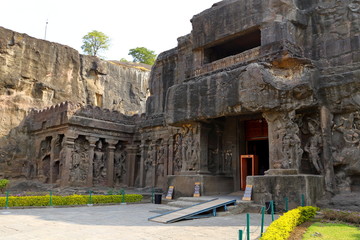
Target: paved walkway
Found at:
x=125, y=222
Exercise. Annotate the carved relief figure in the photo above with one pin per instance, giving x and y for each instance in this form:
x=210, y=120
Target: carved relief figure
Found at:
x=120, y=163
x=228, y=161
x=190, y=149
x=314, y=145
x=150, y=165
x=177, y=153
x=292, y=146
x=160, y=161
x=346, y=150
x=99, y=173
x=79, y=161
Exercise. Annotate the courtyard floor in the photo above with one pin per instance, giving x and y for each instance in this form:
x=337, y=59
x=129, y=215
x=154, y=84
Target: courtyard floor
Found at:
x=118, y=222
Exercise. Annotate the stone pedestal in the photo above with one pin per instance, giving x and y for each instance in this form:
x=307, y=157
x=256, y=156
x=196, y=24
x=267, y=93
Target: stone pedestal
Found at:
x=277, y=187
x=210, y=185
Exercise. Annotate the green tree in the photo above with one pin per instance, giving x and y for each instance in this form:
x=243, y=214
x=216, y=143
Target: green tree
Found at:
x=143, y=55
x=95, y=41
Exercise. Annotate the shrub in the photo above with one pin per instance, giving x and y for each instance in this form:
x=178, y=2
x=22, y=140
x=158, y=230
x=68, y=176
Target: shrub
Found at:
x=15, y=201
x=341, y=215
x=3, y=184
x=281, y=228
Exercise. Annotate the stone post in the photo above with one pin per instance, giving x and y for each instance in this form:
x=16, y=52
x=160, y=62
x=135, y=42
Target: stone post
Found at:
x=92, y=145
x=284, y=143
x=130, y=166
x=66, y=168
x=110, y=161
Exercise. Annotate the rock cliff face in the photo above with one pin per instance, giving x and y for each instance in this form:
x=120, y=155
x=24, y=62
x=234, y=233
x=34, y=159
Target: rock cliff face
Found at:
x=291, y=64
x=36, y=74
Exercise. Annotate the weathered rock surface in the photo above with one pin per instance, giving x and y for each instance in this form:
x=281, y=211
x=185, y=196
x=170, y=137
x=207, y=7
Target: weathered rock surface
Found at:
x=36, y=74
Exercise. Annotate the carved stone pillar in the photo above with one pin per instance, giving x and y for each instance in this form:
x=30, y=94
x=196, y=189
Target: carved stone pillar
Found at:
x=219, y=158
x=284, y=143
x=66, y=168
x=52, y=157
x=110, y=162
x=142, y=163
x=204, y=138
x=131, y=162
x=92, y=144
x=170, y=157
x=153, y=157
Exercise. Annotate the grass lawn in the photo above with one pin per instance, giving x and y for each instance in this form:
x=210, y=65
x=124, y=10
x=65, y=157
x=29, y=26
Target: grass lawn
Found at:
x=332, y=231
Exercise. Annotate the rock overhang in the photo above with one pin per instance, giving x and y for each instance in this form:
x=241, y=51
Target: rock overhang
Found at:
x=270, y=82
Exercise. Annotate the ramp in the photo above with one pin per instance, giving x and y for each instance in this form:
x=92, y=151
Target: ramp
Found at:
x=192, y=211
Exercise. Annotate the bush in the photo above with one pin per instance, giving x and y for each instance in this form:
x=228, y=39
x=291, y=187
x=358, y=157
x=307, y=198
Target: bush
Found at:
x=341, y=215
x=15, y=201
x=281, y=228
x=3, y=184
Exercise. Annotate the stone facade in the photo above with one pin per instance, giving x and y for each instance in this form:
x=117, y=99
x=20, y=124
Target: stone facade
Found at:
x=277, y=80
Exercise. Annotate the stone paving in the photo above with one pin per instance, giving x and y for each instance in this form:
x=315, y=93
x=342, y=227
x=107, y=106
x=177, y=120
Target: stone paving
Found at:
x=117, y=222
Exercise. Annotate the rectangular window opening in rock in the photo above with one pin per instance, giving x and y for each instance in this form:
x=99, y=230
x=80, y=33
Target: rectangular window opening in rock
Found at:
x=99, y=100
x=233, y=45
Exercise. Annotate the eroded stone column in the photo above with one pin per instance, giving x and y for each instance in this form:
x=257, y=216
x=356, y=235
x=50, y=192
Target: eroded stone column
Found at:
x=66, y=168
x=170, y=157
x=204, y=138
x=110, y=161
x=130, y=162
x=142, y=164
x=284, y=143
x=52, y=157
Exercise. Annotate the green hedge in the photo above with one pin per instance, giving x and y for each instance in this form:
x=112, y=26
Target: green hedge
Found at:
x=67, y=200
x=281, y=228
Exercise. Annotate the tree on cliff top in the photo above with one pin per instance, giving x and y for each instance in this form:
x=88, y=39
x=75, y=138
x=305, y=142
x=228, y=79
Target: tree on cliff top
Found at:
x=143, y=55
x=95, y=41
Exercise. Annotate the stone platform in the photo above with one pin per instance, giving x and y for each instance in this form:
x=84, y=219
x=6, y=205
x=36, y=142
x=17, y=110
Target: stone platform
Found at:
x=277, y=187
x=210, y=185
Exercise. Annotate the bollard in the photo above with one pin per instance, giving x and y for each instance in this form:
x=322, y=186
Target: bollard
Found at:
x=7, y=200
x=272, y=210
x=262, y=220
x=123, y=196
x=240, y=234
x=50, y=203
x=248, y=226
x=152, y=195
x=286, y=204
x=90, y=198
x=302, y=200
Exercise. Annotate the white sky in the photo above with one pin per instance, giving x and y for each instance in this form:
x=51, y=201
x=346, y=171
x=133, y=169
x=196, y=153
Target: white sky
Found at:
x=154, y=24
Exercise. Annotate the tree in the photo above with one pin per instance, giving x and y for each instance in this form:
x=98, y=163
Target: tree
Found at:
x=95, y=41
x=143, y=55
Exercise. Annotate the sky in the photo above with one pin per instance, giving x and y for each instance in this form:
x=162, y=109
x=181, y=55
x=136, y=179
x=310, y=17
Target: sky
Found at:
x=154, y=24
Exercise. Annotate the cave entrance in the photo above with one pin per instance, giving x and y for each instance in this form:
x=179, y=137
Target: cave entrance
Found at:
x=255, y=160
